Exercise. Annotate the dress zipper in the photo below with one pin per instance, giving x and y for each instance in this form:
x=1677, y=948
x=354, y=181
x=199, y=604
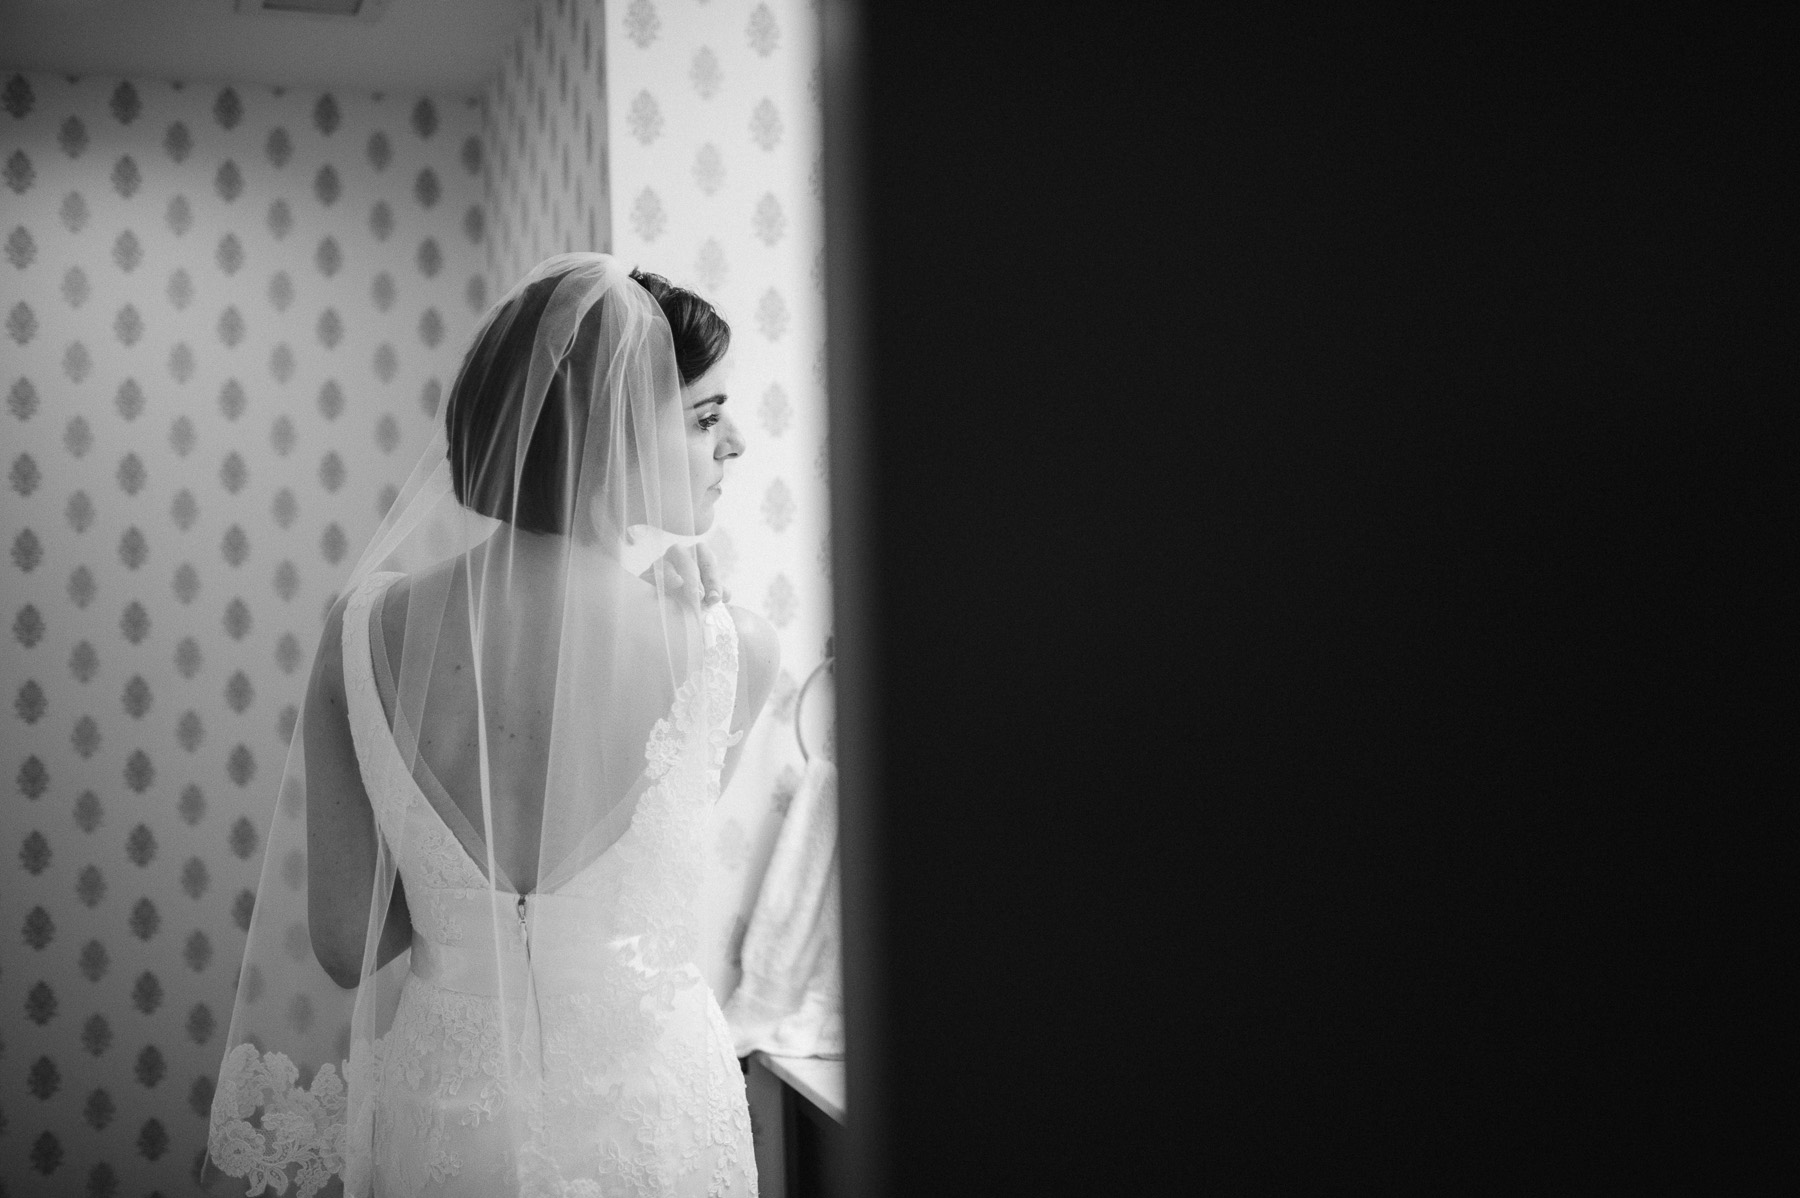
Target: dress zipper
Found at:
x=531, y=981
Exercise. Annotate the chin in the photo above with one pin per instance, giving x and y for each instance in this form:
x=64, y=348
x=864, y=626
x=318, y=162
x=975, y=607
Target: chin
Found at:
x=706, y=506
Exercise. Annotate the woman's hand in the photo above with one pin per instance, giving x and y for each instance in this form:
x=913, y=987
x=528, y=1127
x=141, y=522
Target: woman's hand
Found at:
x=691, y=573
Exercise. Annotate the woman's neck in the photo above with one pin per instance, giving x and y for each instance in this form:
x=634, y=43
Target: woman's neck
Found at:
x=547, y=554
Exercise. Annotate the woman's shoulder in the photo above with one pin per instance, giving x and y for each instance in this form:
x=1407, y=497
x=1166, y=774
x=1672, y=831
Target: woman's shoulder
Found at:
x=390, y=598
x=369, y=589
x=759, y=650
x=396, y=590
x=754, y=632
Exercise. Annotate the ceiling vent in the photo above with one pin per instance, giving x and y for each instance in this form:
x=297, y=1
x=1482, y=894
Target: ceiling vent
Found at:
x=366, y=11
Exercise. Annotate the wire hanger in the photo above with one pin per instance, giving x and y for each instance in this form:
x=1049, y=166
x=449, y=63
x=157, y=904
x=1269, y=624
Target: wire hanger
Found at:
x=799, y=735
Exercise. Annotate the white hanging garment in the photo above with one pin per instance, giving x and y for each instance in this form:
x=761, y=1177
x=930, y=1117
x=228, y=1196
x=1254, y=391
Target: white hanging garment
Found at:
x=790, y=1002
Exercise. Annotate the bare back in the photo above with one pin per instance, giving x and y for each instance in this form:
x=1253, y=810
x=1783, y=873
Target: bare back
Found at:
x=518, y=680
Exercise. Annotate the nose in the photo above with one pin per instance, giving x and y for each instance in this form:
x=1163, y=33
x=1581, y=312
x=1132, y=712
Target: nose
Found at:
x=731, y=445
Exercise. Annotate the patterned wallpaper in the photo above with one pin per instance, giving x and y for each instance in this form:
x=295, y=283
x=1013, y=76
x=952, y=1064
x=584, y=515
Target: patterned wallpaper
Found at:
x=545, y=129
x=230, y=315
x=713, y=107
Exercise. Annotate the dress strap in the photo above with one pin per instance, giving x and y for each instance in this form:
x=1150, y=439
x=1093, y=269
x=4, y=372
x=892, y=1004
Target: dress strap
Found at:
x=368, y=721
x=359, y=663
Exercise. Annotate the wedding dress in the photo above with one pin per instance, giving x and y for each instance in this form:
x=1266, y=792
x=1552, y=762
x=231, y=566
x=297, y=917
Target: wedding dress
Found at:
x=624, y=1068
x=621, y=1073
x=427, y=1029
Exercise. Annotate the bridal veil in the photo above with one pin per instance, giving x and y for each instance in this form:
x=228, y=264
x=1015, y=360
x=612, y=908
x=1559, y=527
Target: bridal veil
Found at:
x=523, y=658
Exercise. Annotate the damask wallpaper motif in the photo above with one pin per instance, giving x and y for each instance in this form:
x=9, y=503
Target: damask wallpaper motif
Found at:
x=545, y=127
x=714, y=108
x=230, y=316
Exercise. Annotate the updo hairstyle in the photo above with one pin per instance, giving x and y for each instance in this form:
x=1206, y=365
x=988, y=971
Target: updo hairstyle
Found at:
x=701, y=334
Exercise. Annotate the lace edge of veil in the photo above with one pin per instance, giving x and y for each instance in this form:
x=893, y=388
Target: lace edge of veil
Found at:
x=307, y=1127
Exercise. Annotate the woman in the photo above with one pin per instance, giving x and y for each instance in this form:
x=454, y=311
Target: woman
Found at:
x=470, y=969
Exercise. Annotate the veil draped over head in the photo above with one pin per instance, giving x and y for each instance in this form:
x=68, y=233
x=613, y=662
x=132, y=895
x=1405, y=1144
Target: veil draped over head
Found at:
x=534, y=681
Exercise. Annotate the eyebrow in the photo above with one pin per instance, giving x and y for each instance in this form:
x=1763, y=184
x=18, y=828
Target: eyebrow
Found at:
x=719, y=398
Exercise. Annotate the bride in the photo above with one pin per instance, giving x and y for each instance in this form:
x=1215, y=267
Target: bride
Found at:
x=470, y=965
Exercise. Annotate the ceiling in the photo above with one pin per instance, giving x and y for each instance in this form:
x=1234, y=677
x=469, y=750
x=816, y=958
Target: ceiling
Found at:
x=446, y=47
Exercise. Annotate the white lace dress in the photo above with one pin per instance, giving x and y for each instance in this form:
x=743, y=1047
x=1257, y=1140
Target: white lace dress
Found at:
x=607, y=1067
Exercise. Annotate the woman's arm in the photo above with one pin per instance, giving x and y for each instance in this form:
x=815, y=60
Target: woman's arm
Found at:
x=341, y=840
x=759, y=657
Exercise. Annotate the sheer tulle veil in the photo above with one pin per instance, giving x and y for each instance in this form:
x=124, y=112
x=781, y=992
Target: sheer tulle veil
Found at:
x=523, y=660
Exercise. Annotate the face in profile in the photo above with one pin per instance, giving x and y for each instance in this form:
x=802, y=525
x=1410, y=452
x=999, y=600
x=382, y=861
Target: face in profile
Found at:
x=710, y=439
x=695, y=439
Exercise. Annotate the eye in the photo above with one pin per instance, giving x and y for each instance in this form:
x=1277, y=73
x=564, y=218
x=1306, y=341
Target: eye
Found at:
x=707, y=422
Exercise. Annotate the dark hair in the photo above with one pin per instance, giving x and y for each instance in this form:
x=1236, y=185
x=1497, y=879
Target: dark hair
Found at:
x=701, y=334
x=481, y=423
x=481, y=420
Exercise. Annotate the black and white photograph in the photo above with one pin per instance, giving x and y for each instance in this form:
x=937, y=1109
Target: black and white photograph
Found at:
x=624, y=598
